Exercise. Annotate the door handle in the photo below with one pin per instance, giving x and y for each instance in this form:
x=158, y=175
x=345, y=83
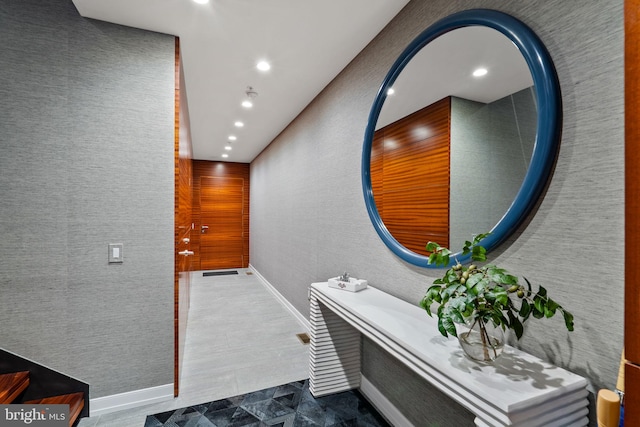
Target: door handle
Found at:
x=204, y=228
x=185, y=253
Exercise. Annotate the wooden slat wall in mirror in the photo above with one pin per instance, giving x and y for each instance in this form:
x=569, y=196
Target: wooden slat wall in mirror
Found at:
x=410, y=176
x=632, y=212
x=234, y=188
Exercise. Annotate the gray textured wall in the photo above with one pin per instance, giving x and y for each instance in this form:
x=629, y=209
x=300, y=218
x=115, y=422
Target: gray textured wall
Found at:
x=86, y=159
x=491, y=146
x=308, y=219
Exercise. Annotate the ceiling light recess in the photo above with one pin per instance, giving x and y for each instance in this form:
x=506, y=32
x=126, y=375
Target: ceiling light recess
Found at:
x=479, y=72
x=238, y=124
x=201, y=1
x=263, y=66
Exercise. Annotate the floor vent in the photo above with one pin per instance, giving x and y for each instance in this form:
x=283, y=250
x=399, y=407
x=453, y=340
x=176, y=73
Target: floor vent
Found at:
x=304, y=338
x=219, y=273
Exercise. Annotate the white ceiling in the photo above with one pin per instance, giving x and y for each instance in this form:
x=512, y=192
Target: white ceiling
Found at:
x=450, y=61
x=307, y=42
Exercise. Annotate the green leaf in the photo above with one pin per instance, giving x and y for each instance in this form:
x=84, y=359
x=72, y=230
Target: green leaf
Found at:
x=479, y=237
x=473, y=279
x=515, y=324
x=433, y=257
x=502, y=296
x=434, y=292
x=432, y=295
x=432, y=246
x=449, y=326
x=550, y=308
x=458, y=303
x=536, y=311
x=525, y=309
x=441, y=327
x=497, y=296
x=538, y=304
x=500, y=276
x=479, y=253
x=568, y=320
x=450, y=290
x=444, y=260
x=426, y=305
x=439, y=255
x=445, y=324
x=479, y=287
x=451, y=276
x=510, y=280
x=499, y=317
x=455, y=315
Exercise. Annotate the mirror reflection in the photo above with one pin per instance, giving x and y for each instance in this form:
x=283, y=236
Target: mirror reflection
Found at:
x=451, y=149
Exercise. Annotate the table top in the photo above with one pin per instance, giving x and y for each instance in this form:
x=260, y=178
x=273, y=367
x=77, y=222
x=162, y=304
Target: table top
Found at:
x=515, y=382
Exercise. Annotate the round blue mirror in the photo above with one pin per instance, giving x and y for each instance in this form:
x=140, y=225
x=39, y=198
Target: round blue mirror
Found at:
x=503, y=161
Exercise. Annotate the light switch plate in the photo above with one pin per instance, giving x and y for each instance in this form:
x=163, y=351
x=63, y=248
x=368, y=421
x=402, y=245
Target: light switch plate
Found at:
x=115, y=252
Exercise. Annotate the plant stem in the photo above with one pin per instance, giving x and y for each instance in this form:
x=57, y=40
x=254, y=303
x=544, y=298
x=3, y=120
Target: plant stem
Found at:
x=485, y=337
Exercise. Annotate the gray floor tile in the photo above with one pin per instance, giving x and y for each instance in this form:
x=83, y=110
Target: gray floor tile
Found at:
x=232, y=346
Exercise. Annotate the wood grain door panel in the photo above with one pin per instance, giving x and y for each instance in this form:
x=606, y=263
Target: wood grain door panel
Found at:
x=410, y=176
x=221, y=210
x=632, y=211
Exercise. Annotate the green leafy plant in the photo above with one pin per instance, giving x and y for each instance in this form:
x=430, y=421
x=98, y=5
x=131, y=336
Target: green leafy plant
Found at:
x=480, y=295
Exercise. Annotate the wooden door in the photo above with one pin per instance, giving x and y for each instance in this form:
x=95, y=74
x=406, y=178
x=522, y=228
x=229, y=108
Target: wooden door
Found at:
x=221, y=226
x=632, y=212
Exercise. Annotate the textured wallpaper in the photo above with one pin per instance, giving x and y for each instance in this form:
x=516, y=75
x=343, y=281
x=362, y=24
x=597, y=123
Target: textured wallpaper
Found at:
x=86, y=159
x=308, y=217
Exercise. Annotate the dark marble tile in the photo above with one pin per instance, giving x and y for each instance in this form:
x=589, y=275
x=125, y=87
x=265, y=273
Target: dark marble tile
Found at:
x=233, y=416
x=268, y=410
x=288, y=405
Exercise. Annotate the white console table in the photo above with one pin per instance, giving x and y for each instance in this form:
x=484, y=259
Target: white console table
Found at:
x=517, y=389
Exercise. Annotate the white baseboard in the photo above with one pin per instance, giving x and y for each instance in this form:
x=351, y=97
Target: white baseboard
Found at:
x=368, y=390
x=302, y=319
x=382, y=404
x=130, y=399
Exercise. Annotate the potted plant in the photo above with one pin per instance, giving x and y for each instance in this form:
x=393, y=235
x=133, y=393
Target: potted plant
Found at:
x=487, y=299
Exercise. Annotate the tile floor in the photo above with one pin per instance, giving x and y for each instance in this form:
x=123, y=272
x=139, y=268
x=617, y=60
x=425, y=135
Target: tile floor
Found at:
x=240, y=339
x=287, y=405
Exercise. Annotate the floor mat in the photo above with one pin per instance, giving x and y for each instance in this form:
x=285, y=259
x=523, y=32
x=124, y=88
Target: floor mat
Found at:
x=219, y=273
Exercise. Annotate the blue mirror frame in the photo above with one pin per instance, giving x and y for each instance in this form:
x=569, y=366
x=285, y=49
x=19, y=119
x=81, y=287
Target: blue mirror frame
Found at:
x=549, y=125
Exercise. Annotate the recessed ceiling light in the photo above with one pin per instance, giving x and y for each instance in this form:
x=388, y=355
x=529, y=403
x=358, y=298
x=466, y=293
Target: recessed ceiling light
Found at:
x=238, y=124
x=201, y=1
x=390, y=91
x=224, y=156
x=228, y=148
x=263, y=66
x=480, y=72
x=247, y=104
x=232, y=138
